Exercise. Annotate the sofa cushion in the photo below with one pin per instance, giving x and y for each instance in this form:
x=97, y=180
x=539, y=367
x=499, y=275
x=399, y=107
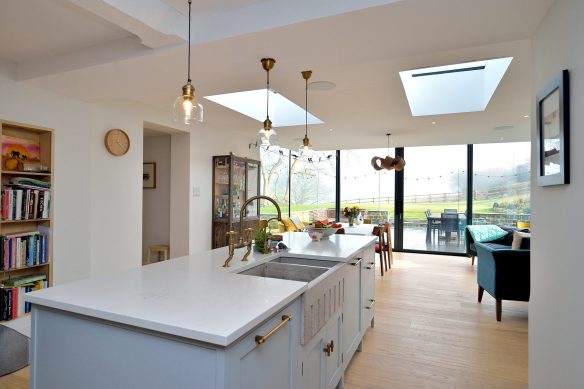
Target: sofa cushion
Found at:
x=297, y=223
x=289, y=224
x=521, y=240
x=497, y=246
x=486, y=232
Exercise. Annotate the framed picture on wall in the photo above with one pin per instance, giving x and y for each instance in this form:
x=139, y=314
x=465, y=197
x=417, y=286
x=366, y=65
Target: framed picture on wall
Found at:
x=149, y=175
x=553, y=132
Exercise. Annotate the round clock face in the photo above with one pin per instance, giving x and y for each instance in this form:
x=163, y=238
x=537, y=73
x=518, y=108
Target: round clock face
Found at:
x=117, y=142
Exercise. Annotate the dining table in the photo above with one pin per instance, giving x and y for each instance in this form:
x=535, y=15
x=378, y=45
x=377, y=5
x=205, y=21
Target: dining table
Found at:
x=361, y=229
x=435, y=219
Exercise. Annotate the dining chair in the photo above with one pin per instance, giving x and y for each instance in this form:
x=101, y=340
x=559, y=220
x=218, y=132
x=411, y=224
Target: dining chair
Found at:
x=388, y=246
x=340, y=231
x=449, y=224
x=379, y=231
x=433, y=226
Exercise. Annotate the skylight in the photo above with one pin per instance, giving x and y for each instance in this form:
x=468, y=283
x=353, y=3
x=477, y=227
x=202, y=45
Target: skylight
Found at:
x=465, y=87
x=252, y=103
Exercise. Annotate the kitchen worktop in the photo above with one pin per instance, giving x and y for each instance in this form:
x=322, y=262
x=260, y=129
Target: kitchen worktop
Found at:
x=194, y=296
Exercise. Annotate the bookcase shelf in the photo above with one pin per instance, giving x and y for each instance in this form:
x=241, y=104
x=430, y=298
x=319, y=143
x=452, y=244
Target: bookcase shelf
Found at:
x=17, y=173
x=25, y=240
x=25, y=221
x=17, y=269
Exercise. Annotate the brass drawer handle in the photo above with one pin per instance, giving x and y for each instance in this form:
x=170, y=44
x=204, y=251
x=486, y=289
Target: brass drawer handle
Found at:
x=370, y=306
x=330, y=347
x=259, y=339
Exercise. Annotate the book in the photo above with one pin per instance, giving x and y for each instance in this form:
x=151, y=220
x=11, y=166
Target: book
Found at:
x=23, y=280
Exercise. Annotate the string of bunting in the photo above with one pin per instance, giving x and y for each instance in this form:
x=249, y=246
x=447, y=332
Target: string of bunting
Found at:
x=331, y=157
x=314, y=159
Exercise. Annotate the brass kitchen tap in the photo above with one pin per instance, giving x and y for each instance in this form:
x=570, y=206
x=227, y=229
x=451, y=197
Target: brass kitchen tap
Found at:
x=248, y=238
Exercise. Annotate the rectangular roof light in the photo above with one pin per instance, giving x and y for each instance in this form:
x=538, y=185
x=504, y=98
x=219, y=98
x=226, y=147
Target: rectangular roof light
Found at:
x=457, y=88
x=283, y=112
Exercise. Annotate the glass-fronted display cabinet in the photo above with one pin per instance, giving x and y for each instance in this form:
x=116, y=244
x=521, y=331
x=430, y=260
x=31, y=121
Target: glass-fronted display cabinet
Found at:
x=235, y=180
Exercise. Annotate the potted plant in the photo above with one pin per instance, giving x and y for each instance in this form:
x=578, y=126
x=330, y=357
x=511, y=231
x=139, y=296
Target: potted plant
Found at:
x=261, y=241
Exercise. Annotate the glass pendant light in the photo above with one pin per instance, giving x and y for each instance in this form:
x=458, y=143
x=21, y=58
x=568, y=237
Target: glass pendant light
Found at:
x=305, y=147
x=267, y=133
x=186, y=108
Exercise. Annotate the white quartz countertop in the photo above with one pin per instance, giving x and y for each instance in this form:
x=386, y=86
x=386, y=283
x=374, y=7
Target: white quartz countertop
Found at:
x=194, y=296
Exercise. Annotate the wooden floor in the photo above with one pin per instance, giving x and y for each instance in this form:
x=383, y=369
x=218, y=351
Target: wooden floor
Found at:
x=429, y=332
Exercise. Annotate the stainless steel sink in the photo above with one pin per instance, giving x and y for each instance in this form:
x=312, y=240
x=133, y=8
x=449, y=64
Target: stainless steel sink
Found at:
x=305, y=262
x=286, y=271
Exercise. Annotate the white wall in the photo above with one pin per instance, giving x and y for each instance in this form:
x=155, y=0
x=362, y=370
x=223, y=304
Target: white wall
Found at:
x=556, y=314
x=179, y=194
x=98, y=197
x=156, y=202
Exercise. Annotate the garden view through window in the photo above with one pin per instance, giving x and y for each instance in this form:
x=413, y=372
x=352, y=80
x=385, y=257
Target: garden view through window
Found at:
x=435, y=181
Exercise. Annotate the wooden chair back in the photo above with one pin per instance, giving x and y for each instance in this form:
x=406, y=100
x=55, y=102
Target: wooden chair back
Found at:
x=388, y=246
x=340, y=231
x=379, y=231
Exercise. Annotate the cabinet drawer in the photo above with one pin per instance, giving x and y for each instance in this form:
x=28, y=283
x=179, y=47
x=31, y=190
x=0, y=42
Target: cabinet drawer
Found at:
x=262, y=359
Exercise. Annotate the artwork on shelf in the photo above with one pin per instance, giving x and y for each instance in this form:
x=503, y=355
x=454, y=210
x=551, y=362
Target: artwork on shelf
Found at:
x=149, y=175
x=553, y=132
x=17, y=150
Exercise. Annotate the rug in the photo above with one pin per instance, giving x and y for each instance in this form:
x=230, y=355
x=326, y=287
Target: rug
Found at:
x=14, y=346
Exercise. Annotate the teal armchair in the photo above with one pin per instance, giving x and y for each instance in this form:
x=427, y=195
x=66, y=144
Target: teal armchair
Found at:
x=503, y=273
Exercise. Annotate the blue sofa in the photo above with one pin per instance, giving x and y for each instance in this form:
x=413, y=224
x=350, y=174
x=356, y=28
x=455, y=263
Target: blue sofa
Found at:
x=504, y=273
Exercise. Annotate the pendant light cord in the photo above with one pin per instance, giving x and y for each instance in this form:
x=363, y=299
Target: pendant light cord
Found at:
x=306, y=110
x=388, y=143
x=268, y=94
x=189, y=55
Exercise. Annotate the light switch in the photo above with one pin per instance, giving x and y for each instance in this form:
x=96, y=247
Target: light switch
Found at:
x=196, y=191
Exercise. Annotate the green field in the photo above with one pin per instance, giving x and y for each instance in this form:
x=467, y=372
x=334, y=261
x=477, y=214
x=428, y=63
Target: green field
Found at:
x=412, y=210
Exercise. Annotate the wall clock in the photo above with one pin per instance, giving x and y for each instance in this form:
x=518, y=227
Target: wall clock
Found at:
x=117, y=142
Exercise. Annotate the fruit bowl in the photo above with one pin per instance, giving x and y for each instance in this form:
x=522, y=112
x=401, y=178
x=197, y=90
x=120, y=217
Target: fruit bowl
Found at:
x=324, y=233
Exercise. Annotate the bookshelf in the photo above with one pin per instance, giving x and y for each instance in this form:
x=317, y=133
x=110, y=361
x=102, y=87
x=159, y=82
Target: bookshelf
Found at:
x=26, y=220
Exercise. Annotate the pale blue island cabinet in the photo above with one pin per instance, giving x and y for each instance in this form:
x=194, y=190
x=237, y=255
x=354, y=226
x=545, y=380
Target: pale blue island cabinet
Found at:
x=308, y=340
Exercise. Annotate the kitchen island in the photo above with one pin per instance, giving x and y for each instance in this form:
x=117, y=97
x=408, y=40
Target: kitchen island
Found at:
x=189, y=322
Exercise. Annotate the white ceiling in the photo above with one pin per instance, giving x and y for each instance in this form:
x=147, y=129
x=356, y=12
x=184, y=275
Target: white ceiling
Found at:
x=362, y=51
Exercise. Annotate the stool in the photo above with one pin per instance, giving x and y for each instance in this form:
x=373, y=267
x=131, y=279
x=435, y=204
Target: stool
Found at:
x=160, y=249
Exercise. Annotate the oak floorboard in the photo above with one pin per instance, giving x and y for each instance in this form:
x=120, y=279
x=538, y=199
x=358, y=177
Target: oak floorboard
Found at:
x=429, y=332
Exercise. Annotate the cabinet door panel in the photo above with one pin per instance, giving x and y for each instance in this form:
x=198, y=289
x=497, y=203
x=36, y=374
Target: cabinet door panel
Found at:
x=351, y=321
x=333, y=365
x=312, y=366
x=367, y=288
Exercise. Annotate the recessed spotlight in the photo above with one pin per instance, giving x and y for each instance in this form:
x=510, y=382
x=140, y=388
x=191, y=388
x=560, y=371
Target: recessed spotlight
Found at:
x=330, y=129
x=526, y=116
x=503, y=128
x=322, y=86
x=433, y=122
x=501, y=138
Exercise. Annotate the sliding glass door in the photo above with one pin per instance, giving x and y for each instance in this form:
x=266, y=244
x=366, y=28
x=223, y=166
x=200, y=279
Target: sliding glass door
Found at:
x=373, y=192
x=434, y=201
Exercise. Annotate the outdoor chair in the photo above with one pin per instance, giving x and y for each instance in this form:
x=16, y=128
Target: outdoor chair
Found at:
x=432, y=227
x=450, y=210
x=448, y=225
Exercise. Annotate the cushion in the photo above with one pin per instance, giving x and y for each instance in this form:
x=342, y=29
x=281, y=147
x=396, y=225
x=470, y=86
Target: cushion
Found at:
x=289, y=224
x=520, y=240
x=297, y=223
x=486, y=232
